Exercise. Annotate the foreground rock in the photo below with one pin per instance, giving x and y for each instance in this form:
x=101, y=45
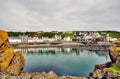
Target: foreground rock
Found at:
x=10, y=61
x=114, y=52
x=104, y=74
x=96, y=74
x=38, y=75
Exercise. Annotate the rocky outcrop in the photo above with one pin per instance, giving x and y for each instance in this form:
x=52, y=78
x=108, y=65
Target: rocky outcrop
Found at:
x=40, y=75
x=10, y=61
x=17, y=64
x=103, y=71
x=102, y=66
x=96, y=74
x=114, y=53
x=118, y=60
x=103, y=74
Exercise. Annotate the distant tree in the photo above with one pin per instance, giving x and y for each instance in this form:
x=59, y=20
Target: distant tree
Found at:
x=71, y=35
x=48, y=34
x=26, y=33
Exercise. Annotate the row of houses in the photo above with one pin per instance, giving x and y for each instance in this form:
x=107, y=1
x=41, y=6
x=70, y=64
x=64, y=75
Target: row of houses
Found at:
x=26, y=39
x=80, y=36
x=95, y=36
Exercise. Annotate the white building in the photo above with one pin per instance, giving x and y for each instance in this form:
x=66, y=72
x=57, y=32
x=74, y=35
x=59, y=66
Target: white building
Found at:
x=88, y=37
x=96, y=34
x=58, y=37
x=113, y=39
x=15, y=40
x=34, y=39
x=67, y=39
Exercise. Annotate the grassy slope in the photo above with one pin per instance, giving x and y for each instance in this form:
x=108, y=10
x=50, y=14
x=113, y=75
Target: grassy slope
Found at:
x=115, y=68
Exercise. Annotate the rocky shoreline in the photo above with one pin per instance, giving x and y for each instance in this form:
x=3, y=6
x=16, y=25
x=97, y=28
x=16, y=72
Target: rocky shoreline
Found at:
x=96, y=74
x=39, y=75
x=80, y=47
x=58, y=44
x=100, y=72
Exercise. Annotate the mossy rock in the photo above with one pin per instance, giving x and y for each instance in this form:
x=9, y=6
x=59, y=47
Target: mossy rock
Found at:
x=17, y=63
x=9, y=53
x=10, y=61
x=3, y=36
x=115, y=68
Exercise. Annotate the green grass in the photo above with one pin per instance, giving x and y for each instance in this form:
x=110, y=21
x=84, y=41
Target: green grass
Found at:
x=115, y=68
x=7, y=73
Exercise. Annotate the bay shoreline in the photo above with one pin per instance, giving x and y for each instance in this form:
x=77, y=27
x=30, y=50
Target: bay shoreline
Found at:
x=63, y=45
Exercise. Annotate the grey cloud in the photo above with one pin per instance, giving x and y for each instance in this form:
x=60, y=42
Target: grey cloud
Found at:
x=48, y=15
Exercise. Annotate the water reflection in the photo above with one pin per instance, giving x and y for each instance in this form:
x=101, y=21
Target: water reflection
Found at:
x=64, y=61
x=54, y=51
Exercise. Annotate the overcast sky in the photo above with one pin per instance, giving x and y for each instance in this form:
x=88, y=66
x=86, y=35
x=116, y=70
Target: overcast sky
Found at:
x=59, y=15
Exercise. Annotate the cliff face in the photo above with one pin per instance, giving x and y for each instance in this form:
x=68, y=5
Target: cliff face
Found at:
x=114, y=53
x=10, y=61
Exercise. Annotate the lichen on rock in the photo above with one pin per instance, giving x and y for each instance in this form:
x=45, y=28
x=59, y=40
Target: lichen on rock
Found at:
x=10, y=61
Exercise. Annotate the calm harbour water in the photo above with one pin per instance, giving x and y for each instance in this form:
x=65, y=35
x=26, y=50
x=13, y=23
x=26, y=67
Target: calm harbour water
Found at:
x=64, y=61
